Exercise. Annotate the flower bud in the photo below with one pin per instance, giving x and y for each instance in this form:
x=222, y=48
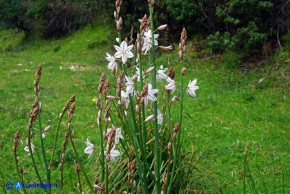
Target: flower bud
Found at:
x=162, y=27
x=165, y=48
x=149, y=118
x=149, y=70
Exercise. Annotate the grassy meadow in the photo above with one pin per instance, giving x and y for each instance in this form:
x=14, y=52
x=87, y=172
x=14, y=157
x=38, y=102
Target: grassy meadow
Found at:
x=233, y=108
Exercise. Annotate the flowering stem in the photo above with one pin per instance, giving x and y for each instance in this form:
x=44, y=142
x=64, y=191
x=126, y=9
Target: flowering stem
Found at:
x=157, y=146
x=78, y=161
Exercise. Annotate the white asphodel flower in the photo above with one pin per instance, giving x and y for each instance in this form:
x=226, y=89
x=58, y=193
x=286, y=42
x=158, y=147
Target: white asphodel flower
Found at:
x=112, y=62
x=118, y=134
x=160, y=75
x=26, y=148
x=90, y=147
x=113, y=154
x=159, y=117
x=191, y=88
x=124, y=52
x=148, y=41
x=150, y=95
x=124, y=99
x=171, y=84
x=129, y=85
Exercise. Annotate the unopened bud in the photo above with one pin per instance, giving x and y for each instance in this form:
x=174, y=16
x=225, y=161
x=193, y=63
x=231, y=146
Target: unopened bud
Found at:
x=165, y=48
x=169, y=147
x=117, y=40
x=134, y=77
x=119, y=23
x=162, y=27
x=174, y=99
x=137, y=108
x=149, y=70
x=46, y=128
x=180, y=54
x=111, y=97
x=149, y=118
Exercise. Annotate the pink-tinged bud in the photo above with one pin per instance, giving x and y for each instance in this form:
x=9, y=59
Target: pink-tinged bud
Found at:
x=134, y=77
x=140, y=20
x=134, y=184
x=118, y=9
x=97, y=187
x=46, y=128
x=137, y=109
x=169, y=146
x=151, y=2
x=165, y=48
x=174, y=99
x=138, y=46
x=180, y=54
x=149, y=118
x=184, y=48
x=119, y=23
x=149, y=70
x=162, y=27
x=111, y=97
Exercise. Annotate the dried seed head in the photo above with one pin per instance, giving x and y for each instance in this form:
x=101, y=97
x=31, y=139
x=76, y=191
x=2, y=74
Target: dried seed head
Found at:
x=21, y=170
x=175, y=131
x=171, y=73
x=16, y=141
x=145, y=90
x=101, y=83
x=78, y=168
x=183, y=71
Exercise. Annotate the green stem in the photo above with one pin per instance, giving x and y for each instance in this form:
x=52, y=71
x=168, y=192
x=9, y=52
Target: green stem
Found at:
x=32, y=158
x=43, y=152
x=157, y=146
x=102, y=152
x=81, y=166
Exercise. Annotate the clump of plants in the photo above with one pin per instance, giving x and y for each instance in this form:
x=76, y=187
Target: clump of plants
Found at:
x=140, y=148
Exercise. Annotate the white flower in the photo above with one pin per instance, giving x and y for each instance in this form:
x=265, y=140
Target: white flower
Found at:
x=118, y=134
x=90, y=147
x=112, y=62
x=161, y=73
x=138, y=74
x=171, y=84
x=124, y=52
x=148, y=41
x=150, y=95
x=159, y=117
x=124, y=99
x=26, y=148
x=129, y=85
x=113, y=154
x=191, y=88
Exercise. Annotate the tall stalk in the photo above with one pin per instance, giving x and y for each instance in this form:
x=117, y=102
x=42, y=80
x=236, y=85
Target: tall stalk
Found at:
x=156, y=131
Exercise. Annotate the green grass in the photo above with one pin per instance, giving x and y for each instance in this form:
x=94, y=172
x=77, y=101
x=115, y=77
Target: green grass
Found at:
x=232, y=108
